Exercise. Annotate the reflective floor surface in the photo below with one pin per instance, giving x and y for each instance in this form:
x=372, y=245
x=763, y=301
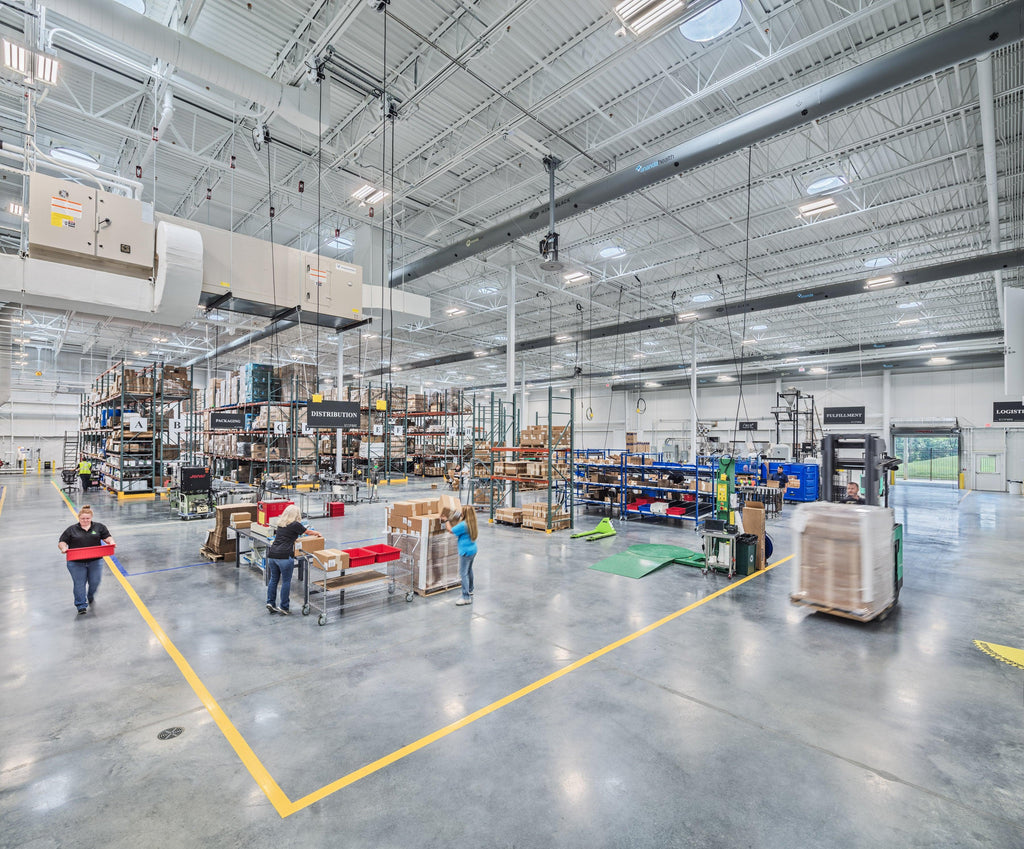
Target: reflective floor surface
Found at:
x=745, y=721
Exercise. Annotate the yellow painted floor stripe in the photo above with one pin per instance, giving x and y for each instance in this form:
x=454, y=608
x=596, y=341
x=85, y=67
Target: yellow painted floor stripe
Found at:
x=256, y=769
x=398, y=754
x=277, y=797
x=1007, y=654
x=962, y=497
x=3, y=498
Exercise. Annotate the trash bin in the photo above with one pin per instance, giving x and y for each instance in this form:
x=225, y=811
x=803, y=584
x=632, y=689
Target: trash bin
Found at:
x=1015, y=487
x=746, y=554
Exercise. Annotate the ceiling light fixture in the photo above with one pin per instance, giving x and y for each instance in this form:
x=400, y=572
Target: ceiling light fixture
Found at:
x=939, y=361
x=339, y=243
x=638, y=16
x=15, y=57
x=712, y=22
x=928, y=346
x=377, y=196
x=563, y=338
x=819, y=370
x=879, y=282
x=725, y=378
x=488, y=290
x=909, y=305
x=47, y=68
x=15, y=208
x=702, y=298
x=904, y=321
x=479, y=353
x=612, y=252
x=639, y=355
x=455, y=311
x=817, y=207
x=575, y=278
x=687, y=316
x=362, y=193
x=759, y=327
x=652, y=384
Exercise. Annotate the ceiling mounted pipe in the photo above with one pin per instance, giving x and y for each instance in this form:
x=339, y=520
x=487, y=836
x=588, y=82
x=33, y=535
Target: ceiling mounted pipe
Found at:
x=111, y=19
x=971, y=37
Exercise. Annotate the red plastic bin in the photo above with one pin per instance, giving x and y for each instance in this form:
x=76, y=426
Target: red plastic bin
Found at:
x=92, y=552
x=335, y=508
x=360, y=557
x=384, y=553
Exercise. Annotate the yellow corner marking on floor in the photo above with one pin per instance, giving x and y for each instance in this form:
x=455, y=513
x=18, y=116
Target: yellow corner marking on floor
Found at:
x=1007, y=654
x=274, y=793
x=398, y=754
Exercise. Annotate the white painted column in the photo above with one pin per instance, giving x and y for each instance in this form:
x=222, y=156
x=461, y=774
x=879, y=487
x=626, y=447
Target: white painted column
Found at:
x=510, y=333
x=338, y=439
x=693, y=397
x=887, y=407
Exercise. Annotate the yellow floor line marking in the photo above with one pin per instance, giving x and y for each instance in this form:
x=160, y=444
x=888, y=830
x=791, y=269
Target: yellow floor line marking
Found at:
x=1012, y=656
x=276, y=795
x=398, y=754
x=962, y=497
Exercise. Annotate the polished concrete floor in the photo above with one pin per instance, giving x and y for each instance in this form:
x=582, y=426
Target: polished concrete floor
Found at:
x=745, y=721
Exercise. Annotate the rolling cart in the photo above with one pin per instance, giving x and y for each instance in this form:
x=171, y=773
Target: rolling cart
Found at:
x=362, y=574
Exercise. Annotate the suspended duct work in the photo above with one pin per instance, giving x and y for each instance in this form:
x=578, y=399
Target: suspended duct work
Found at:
x=112, y=20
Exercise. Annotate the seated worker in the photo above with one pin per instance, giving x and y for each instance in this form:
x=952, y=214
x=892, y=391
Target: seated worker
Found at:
x=853, y=495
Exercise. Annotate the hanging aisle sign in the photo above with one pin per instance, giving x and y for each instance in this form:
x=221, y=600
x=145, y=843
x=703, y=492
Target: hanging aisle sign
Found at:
x=843, y=415
x=333, y=414
x=1007, y=411
x=227, y=420
x=748, y=425
x=280, y=428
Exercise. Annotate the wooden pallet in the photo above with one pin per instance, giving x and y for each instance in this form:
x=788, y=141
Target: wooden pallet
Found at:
x=845, y=614
x=513, y=523
x=210, y=555
x=436, y=590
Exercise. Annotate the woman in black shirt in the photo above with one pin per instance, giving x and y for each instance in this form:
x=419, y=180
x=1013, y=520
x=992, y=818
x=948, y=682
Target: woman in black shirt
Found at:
x=85, y=573
x=281, y=557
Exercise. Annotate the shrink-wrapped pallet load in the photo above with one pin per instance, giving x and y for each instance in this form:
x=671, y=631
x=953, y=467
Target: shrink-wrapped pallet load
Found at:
x=844, y=558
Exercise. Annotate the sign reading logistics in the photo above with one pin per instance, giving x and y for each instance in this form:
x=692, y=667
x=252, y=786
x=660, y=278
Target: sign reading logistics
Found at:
x=843, y=415
x=227, y=420
x=748, y=425
x=1007, y=411
x=333, y=414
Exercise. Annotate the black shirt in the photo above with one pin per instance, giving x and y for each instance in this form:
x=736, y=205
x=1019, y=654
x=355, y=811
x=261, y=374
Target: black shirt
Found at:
x=77, y=537
x=283, y=546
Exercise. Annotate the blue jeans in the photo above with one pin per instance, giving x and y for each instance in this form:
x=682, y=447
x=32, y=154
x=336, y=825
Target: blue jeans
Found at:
x=466, y=574
x=86, y=575
x=280, y=570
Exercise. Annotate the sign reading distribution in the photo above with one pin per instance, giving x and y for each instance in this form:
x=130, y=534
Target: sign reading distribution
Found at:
x=333, y=414
x=227, y=420
x=843, y=415
x=1007, y=411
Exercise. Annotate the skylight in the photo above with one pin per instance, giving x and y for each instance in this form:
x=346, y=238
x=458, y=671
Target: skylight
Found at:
x=714, y=21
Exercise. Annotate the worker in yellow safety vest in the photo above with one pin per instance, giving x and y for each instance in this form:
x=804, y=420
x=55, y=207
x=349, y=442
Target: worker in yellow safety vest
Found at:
x=85, y=473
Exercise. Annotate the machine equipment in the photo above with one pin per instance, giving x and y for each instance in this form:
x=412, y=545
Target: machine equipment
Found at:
x=720, y=531
x=192, y=495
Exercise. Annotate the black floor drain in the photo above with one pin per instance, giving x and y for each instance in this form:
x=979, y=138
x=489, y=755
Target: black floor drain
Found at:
x=169, y=733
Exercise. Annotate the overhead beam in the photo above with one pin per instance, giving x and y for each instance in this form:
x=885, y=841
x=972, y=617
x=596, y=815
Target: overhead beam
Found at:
x=799, y=297
x=971, y=37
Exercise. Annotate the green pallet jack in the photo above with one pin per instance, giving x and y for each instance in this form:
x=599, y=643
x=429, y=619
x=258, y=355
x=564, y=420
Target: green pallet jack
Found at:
x=603, y=530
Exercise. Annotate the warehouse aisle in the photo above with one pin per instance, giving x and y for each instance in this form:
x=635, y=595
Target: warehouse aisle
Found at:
x=743, y=721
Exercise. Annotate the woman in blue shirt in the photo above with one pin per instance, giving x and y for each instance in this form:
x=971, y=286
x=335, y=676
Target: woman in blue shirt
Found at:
x=465, y=531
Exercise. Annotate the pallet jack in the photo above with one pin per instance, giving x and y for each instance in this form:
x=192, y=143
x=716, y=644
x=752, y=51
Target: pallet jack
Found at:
x=603, y=530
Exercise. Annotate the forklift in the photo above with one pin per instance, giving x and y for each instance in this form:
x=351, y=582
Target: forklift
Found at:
x=844, y=456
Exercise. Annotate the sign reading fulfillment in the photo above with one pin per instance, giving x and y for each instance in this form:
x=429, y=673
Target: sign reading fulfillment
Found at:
x=1007, y=411
x=748, y=425
x=333, y=414
x=227, y=420
x=843, y=415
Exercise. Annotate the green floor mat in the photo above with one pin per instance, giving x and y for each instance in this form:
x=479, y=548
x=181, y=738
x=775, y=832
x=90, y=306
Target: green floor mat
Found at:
x=639, y=560
x=628, y=565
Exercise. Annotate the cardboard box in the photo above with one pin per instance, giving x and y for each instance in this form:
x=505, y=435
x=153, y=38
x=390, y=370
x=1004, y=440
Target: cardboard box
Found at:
x=754, y=523
x=240, y=520
x=308, y=545
x=330, y=559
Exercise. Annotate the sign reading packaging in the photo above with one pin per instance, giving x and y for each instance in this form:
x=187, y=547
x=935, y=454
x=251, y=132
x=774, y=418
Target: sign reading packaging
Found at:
x=748, y=425
x=1007, y=411
x=333, y=414
x=227, y=420
x=843, y=415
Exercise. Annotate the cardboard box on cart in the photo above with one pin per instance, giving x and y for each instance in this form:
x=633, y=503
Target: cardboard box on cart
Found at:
x=754, y=523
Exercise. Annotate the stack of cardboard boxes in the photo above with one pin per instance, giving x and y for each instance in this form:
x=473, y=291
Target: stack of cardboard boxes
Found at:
x=634, y=447
x=536, y=516
x=416, y=528
x=218, y=545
